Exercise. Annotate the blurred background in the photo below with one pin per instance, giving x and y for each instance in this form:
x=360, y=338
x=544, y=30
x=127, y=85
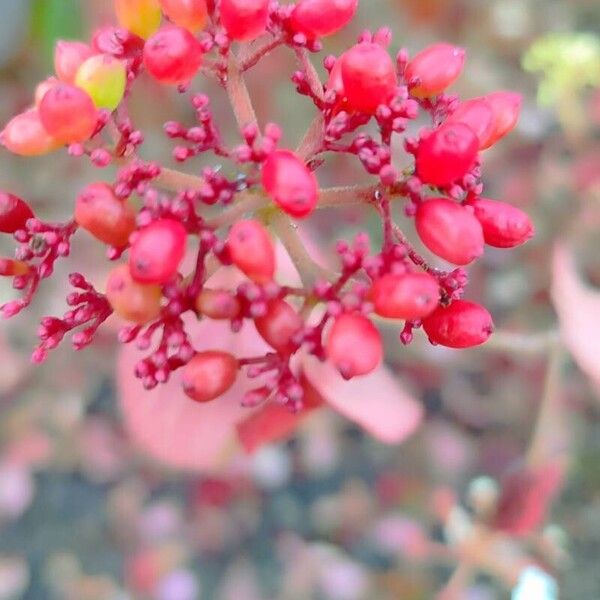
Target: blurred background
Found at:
x=89, y=511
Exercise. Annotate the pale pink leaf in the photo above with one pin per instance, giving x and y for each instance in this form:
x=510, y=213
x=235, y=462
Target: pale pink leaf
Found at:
x=578, y=309
x=378, y=402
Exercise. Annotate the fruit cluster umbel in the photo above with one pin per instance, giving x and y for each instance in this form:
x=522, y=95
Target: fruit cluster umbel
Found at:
x=228, y=218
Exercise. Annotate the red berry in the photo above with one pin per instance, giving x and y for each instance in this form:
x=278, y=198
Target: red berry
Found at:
x=68, y=57
x=157, y=250
x=407, y=296
x=25, y=135
x=449, y=230
x=13, y=268
x=190, y=14
x=251, y=250
x=105, y=216
x=463, y=324
x=478, y=115
x=42, y=87
x=209, y=375
x=14, y=213
x=504, y=225
x=131, y=300
x=173, y=55
x=68, y=114
x=244, y=20
x=369, y=76
x=506, y=107
x=354, y=345
x=434, y=69
x=320, y=18
x=446, y=154
x=279, y=325
x=217, y=304
x=335, y=83
x=290, y=183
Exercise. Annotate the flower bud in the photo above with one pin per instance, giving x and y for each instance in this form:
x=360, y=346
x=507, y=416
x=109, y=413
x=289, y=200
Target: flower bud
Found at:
x=434, y=69
x=209, y=375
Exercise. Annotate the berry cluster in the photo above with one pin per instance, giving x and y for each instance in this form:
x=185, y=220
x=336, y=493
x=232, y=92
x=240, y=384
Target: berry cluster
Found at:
x=227, y=218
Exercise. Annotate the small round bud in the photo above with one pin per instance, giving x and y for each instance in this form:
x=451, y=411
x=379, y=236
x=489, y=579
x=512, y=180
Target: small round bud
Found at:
x=244, y=20
x=252, y=251
x=279, y=325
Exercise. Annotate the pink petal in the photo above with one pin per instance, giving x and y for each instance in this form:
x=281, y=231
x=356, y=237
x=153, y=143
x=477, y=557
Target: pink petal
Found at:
x=377, y=402
x=578, y=308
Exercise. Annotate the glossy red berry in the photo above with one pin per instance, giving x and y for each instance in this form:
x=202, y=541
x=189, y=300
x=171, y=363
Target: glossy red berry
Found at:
x=217, y=304
x=251, y=250
x=173, y=55
x=108, y=218
x=244, y=20
x=407, y=296
x=320, y=18
x=157, y=250
x=25, y=135
x=446, y=154
x=504, y=225
x=209, y=375
x=369, y=76
x=290, y=183
x=434, y=69
x=479, y=116
x=354, y=345
x=68, y=113
x=68, y=57
x=190, y=14
x=278, y=326
x=131, y=300
x=14, y=213
x=141, y=17
x=506, y=107
x=449, y=230
x=463, y=324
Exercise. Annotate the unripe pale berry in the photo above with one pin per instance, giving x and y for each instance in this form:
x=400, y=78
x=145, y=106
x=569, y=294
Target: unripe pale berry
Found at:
x=436, y=68
x=104, y=78
x=369, y=76
x=131, y=300
x=354, y=345
x=278, y=326
x=25, y=135
x=251, y=250
x=68, y=57
x=504, y=225
x=507, y=108
x=173, y=55
x=478, y=115
x=406, y=296
x=446, y=154
x=14, y=213
x=209, y=375
x=449, y=230
x=290, y=183
x=244, y=20
x=320, y=18
x=217, y=304
x=463, y=324
x=190, y=14
x=157, y=250
x=68, y=113
x=106, y=217
x=141, y=17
